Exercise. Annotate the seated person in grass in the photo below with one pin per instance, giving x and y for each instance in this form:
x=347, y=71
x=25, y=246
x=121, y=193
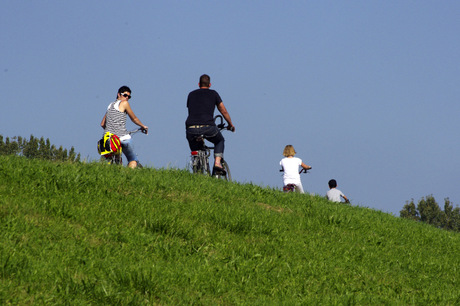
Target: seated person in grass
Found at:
x=334, y=194
x=290, y=165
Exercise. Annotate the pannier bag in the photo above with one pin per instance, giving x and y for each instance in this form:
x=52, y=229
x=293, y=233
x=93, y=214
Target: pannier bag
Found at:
x=109, y=144
x=289, y=188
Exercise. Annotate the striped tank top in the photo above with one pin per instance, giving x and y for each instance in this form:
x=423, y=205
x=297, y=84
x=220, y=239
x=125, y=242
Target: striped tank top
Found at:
x=115, y=121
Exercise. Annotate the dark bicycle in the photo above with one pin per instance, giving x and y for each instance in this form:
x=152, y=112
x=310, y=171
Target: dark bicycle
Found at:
x=199, y=162
x=291, y=187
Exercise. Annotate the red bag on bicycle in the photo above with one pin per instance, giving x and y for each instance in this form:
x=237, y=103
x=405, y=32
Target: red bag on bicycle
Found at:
x=110, y=143
x=289, y=188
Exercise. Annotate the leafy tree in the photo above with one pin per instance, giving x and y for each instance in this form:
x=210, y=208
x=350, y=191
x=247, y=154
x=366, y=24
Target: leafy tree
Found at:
x=21, y=143
x=428, y=211
x=409, y=211
x=61, y=154
x=2, y=146
x=10, y=147
x=73, y=156
x=36, y=148
x=451, y=216
x=43, y=151
x=31, y=148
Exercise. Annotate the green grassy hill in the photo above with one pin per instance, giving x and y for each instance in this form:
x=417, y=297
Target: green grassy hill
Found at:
x=98, y=234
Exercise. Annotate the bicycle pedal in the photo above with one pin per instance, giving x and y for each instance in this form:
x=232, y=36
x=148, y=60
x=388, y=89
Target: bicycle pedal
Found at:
x=218, y=171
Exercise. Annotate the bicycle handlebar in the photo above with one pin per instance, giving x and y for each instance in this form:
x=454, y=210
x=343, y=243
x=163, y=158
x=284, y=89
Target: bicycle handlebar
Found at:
x=222, y=125
x=303, y=170
x=137, y=130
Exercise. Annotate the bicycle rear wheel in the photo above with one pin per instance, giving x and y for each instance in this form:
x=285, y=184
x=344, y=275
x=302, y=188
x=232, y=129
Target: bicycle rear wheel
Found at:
x=205, y=165
x=116, y=160
x=200, y=165
x=196, y=164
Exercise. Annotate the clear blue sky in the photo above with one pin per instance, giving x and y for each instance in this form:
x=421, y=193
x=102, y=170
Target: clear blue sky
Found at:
x=366, y=91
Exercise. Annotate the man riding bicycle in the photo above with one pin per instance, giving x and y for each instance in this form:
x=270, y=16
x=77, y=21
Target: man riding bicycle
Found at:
x=201, y=104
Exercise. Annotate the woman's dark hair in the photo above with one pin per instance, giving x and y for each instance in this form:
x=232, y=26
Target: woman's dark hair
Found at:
x=122, y=89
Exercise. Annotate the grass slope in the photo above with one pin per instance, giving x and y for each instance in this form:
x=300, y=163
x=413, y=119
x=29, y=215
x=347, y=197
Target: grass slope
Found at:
x=99, y=234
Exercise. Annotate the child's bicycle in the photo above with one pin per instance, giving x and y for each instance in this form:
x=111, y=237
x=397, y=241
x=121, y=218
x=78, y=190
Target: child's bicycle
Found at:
x=199, y=162
x=291, y=187
x=115, y=158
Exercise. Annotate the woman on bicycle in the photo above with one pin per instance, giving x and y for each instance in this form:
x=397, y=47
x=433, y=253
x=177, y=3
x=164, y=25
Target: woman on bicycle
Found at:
x=290, y=165
x=114, y=121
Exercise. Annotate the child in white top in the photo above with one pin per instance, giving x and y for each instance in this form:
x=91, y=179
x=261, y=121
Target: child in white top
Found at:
x=333, y=194
x=290, y=165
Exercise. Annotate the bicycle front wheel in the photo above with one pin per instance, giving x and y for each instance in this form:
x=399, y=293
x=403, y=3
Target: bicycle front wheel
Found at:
x=225, y=176
x=228, y=176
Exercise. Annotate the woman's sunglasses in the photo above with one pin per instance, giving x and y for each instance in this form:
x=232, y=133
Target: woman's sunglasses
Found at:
x=126, y=96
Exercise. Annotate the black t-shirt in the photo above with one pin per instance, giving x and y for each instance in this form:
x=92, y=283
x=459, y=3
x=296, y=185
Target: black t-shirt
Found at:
x=201, y=104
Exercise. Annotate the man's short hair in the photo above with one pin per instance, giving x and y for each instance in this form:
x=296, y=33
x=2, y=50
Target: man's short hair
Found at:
x=332, y=183
x=205, y=80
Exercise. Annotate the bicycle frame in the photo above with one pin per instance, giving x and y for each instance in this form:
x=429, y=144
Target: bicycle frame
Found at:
x=200, y=159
